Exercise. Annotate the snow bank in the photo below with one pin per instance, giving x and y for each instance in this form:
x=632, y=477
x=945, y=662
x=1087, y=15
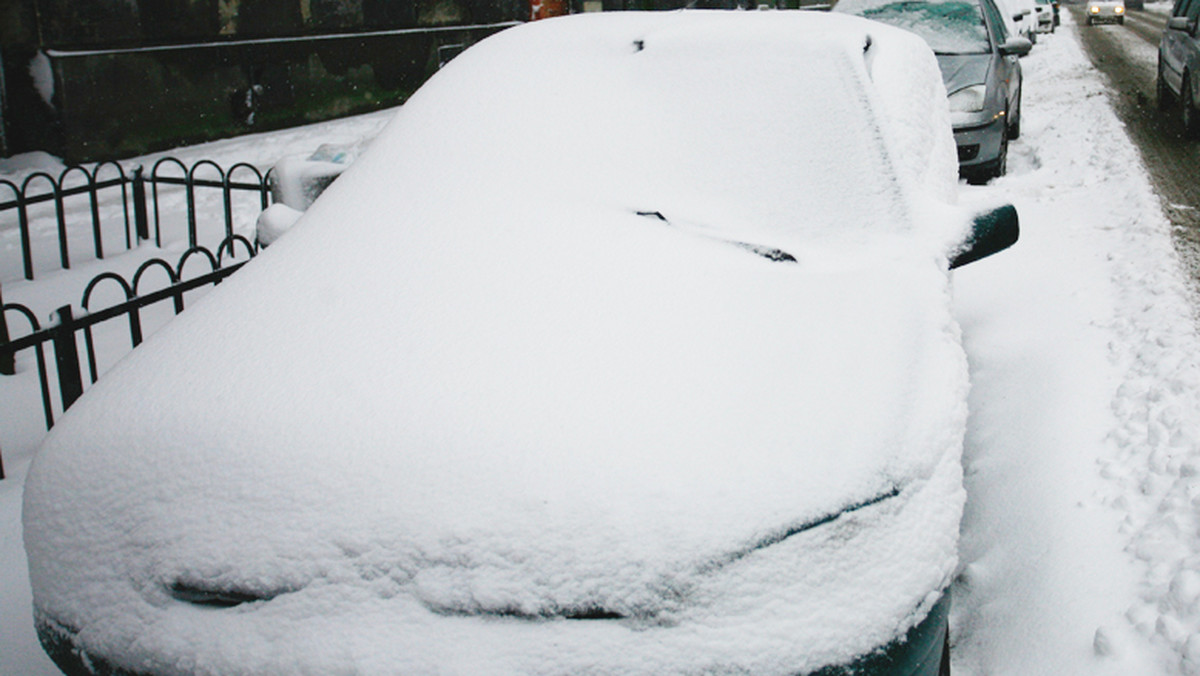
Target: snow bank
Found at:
x=1080, y=535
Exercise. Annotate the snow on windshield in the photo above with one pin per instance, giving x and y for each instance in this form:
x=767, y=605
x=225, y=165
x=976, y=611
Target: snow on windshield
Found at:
x=951, y=27
x=637, y=120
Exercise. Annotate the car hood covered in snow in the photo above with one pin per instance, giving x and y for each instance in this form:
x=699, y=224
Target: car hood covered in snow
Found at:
x=650, y=383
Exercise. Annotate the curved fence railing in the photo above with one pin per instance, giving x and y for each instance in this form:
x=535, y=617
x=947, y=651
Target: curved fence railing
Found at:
x=118, y=208
x=62, y=385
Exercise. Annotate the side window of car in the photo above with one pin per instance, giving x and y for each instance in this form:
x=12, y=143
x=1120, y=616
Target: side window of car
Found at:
x=1181, y=7
x=998, y=25
x=1193, y=10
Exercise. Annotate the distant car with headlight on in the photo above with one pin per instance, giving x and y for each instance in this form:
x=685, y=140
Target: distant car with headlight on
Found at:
x=1105, y=11
x=573, y=371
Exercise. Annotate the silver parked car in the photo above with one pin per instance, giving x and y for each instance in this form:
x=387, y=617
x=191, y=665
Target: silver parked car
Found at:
x=1179, y=64
x=980, y=67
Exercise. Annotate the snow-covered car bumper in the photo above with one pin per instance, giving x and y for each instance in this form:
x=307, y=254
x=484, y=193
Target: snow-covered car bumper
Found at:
x=919, y=653
x=887, y=560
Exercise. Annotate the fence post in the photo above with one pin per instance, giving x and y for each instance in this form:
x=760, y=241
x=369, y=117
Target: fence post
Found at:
x=66, y=358
x=8, y=362
x=141, y=217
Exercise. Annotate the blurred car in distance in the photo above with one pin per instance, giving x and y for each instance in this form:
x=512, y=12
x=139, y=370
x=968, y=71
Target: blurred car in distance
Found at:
x=1179, y=64
x=632, y=388
x=1046, y=16
x=1105, y=11
x=979, y=62
x=1020, y=17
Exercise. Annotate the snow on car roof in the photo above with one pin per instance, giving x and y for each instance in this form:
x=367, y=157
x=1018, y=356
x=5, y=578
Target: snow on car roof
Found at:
x=538, y=355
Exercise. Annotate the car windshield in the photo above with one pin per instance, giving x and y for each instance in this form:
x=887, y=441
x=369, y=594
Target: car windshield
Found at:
x=953, y=27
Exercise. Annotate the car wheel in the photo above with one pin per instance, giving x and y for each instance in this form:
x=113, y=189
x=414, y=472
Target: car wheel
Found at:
x=1162, y=93
x=1091, y=21
x=1191, y=120
x=1002, y=159
x=1121, y=21
x=1014, y=126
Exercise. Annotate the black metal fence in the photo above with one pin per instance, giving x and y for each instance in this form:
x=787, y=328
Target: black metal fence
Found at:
x=127, y=220
x=121, y=213
x=63, y=336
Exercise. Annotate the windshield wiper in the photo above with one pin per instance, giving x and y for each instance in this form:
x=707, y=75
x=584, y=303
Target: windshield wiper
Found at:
x=768, y=252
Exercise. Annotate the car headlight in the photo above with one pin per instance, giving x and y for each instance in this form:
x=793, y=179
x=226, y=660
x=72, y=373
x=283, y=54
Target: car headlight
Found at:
x=1093, y=9
x=968, y=99
x=1118, y=10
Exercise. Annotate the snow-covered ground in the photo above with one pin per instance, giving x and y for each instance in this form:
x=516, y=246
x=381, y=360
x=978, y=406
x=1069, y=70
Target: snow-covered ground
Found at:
x=1080, y=549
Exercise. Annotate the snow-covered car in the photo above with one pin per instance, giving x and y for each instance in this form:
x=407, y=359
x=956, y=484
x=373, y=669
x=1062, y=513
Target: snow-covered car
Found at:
x=979, y=61
x=1045, y=16
x=625, y=349
x=1105, y=11
x=296, y=182
x=1020, y=17
x=1179, y=64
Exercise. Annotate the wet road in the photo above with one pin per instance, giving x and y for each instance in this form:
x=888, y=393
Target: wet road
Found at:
x=1127, y=55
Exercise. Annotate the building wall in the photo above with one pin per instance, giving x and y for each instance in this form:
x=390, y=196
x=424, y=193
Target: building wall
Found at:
x=102, y=79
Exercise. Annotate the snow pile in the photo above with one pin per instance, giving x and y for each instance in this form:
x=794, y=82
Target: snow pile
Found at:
x=639, y=388
x=42, y=73
x=274, y=221
x=1155, y=455
x=298, y=182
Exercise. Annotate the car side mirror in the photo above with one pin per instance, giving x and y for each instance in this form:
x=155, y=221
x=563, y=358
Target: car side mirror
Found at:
x=1180, y=23
x=1016, y=46
x=991, y=232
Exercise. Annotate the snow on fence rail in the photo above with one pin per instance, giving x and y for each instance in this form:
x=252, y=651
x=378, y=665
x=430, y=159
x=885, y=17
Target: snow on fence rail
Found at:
x=119, y=205
x=63, y=337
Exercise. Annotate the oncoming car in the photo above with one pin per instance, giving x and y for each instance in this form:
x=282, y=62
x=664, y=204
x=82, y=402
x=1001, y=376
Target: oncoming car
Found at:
x=979, y=61
x=613, y=355
x=1105, y=11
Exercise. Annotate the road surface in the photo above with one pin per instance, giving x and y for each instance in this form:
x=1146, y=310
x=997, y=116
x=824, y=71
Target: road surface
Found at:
x=1127, y=55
